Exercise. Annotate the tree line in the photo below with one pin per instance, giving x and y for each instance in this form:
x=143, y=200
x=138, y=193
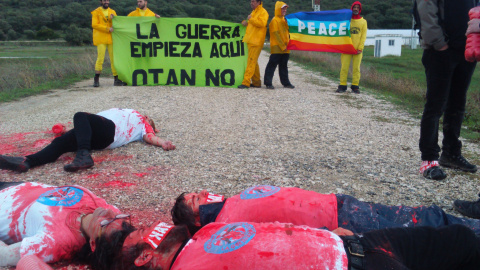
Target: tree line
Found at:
x=71, y=19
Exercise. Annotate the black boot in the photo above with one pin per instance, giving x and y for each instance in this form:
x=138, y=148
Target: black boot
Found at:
x=17, y=164
x=456, y=162
x=82, y=160
x=96, y=80
x=341, y=89
x=118, y=82
x=468, y=208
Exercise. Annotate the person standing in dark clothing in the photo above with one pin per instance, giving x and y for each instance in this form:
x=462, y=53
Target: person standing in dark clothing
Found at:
x=443, y=25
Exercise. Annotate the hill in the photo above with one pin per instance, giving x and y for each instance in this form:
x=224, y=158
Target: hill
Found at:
x=49, y=19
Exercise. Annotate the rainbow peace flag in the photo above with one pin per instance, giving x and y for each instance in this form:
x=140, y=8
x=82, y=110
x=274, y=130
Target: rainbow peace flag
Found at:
x=323, y=31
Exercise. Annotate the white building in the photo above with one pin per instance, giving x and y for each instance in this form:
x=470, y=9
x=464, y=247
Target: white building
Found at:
x=405, y=33
x=388, y=44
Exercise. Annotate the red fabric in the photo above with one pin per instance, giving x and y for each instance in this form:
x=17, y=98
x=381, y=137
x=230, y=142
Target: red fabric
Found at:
x=288, y=205
x=272, y=246
x=356, y=17
x=31, y=262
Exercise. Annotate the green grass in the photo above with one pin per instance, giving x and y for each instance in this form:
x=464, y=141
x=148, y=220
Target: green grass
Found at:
x=42, y=68
x=398, y=79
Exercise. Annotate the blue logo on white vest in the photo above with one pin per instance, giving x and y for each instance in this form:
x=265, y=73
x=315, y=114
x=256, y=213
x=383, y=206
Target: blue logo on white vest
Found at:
x=256, y=192
x=64, y=196
x=230, y=238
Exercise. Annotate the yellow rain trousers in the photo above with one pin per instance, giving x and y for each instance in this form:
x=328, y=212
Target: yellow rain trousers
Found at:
x=255, y=37
x=101, y=57
x=358, y=30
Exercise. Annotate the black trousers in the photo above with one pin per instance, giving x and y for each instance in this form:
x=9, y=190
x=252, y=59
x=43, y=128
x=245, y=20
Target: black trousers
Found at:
x=90, y=132
x=280, y=60
x=448, y=78
x=452, y=247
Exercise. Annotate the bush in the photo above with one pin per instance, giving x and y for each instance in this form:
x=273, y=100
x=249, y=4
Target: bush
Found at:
x=77, y=36
x=30, y=34
x=45, y=33
x=12, y=35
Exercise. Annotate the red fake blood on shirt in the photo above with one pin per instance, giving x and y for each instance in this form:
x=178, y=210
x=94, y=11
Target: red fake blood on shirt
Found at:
x=414, y=219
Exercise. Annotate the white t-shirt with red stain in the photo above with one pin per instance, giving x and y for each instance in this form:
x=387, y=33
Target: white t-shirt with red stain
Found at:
x=262, y=246
x=130, y=126
x=46, y=219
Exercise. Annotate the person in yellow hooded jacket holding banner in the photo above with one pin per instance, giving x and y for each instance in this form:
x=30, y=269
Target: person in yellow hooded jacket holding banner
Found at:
x=102, y=38
x=256, y=24
x=142, y=10
x=358, y=31
x=279, y=55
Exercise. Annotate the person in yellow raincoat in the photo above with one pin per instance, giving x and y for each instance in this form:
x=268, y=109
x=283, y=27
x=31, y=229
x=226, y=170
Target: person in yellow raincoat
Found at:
x=142, y=10
x=256, y=24
x=358, y=31
x=102, y=38
x=279, y=55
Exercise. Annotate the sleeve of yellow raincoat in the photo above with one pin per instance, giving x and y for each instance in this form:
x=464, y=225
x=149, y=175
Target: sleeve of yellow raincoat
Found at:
x=96, y=24
x=275, y=30
x=364, y=36
x=259, y=20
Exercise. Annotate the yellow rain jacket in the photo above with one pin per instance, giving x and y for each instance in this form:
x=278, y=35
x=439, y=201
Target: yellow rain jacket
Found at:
x=137, y=13
x=257, y=27
x=279, y=35
x=358, y=32
x=101, y=26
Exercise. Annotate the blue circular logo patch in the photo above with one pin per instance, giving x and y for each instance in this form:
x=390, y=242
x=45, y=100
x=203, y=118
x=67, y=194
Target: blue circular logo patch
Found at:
x=256, y=192
x=230, y=238
x=64, y=196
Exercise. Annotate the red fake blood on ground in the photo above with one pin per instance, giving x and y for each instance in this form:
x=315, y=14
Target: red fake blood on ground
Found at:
x=140, y=174
x=93, y=176
x=106, y=157
x=41, y=143
x=414, y=219
x=118, y=184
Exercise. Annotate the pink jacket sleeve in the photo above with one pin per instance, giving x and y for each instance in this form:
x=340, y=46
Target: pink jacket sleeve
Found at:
x=30, y=262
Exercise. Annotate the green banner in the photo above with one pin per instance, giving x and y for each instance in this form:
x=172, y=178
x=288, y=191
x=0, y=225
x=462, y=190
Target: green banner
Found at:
x=179, y=51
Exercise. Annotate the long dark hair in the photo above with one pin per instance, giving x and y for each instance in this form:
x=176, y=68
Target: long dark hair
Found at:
x=182, y=214
x=107, y=248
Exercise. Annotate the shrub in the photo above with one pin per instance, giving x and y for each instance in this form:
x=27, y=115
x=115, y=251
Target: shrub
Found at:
x=45, y=33
x=77, y=36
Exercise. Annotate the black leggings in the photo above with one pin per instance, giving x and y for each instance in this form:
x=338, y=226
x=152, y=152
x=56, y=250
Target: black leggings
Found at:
x=423, y=248
x=90, y=132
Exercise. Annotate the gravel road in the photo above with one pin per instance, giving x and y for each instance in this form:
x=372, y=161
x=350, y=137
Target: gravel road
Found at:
x=229, y=139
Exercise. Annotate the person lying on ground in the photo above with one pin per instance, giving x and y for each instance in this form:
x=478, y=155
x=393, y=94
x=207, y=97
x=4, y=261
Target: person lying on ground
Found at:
x=58, y=223
x=259, y=246
x=266, y=203
x=106, y=130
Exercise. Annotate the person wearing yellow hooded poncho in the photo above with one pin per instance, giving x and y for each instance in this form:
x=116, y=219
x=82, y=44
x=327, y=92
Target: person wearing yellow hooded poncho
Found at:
x=142, y=10
x=102, y=38
x=279, y=38
x=256, y=24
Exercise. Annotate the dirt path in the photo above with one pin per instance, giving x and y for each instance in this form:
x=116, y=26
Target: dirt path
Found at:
x=229, y=139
